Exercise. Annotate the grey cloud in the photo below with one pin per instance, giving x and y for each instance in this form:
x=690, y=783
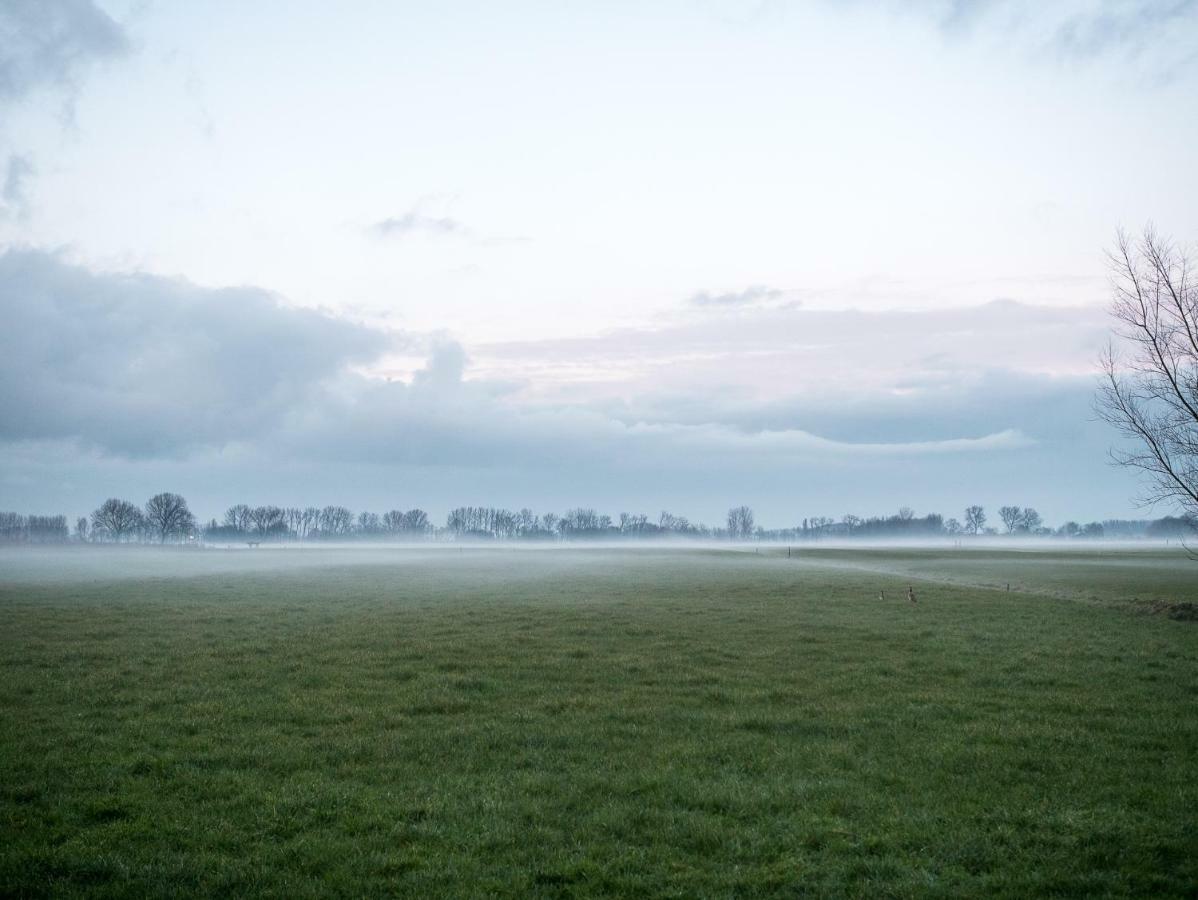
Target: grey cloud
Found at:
x=856, y=342
x=120, y=374
x=50, y=43
x=414, y=222
x=900, y=378
x=1073, y=29
x=14, y=190
x=143, y=366
x=47, y=44
x=749, y=296
x=1121, y=25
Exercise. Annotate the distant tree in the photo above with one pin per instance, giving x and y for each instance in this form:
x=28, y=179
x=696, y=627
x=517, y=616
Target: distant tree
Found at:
x=527, y=522
x=1070, y=529
x=82, y=528
x=369, y=524
x=1012, y=517
x=906, y=513
x=335, y=521
x=953, y=527
x=1172, y=527
x=295, y=520
x=975, y=519
x=1093, y=530
x=1152, y=397
x=47, y=529
x=12, y=527
x=851, y=522
x=415, y=521
x=550, y=522
x=1030, y=521
x=308, y=521
x=740, y=522
x=268, y=520
x=239, y=517
x=117, y=519
x=168, y=516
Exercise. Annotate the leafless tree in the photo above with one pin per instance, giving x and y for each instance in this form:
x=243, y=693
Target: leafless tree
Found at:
x=168, y=516
x=975, y=519
x=1149, y=389
x=81, y=528
x=1012, y=517
x=239, y=517
x=116, y=519
x=415, y=521
x=268, y=519
x=335, y=520
x=310, y=518
x=740, y=522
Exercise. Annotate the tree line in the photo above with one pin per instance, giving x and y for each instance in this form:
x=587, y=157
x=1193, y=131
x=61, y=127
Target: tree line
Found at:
x=166, y=518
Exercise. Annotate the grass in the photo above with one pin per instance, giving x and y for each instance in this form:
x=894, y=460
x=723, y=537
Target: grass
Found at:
x=670, y=723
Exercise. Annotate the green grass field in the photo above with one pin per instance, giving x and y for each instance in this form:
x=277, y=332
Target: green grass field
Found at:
x=674, y=723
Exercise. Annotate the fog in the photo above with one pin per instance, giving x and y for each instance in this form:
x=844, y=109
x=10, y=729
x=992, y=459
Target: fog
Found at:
x=79, y=565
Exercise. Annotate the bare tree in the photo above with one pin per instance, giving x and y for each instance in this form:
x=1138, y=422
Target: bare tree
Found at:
x=81, y=528
x=740, y=522
x=239, y=517
x=268, y=519
x=295, y=519
x=336, y=520
x=310, y=517
x=415, y=521
x=975, y=519
x=116, y=519
x=1012, y=517
x=168, y=516
x=1151, y=394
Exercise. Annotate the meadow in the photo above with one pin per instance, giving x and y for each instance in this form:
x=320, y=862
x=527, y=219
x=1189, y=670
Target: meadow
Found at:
x=660, y=722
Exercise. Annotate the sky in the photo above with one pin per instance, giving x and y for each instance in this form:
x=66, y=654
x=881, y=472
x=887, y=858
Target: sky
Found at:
x=816, y=257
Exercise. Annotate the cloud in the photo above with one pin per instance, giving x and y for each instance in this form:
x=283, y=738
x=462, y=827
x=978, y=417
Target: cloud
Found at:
x=1157, y=34
x=415, y=222
x=750, y=296
x=49, y=44
x=14, y=199
x=1122, y=26
x=144, y=366
x=46, y=45
x=125, y=382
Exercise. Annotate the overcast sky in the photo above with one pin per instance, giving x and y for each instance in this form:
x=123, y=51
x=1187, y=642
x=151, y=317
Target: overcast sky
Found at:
x=817, y=257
